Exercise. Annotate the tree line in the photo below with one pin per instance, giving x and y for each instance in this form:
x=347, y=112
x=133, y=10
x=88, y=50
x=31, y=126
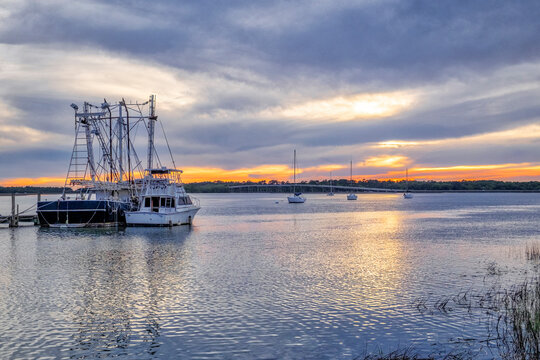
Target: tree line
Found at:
x=462, y=185
x=223, y=186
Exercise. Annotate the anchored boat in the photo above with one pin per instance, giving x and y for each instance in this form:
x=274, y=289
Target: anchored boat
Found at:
x=407, y=194
x=100, y=168
x=105, y=170
x=163, y=201
x=351, y=195
x=296, y=197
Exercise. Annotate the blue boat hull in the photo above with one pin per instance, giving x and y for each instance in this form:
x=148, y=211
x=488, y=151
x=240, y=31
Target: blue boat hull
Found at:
x=82, y=213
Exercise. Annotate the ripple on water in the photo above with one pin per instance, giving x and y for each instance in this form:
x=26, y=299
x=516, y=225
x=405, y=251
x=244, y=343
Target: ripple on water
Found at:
x=255, y=279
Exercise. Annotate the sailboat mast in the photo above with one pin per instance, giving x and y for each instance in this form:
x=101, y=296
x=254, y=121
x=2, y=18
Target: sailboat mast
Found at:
x=294, y=172
x=407, y=179
x=350, y=181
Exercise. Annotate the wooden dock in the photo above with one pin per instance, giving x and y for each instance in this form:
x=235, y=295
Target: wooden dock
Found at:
x=16, y=217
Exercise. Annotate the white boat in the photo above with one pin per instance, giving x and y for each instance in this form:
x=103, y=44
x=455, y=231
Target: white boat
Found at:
x=297, y=197
x=163, y=201
x=407, y=194
x=351, y=196
x=331, y=193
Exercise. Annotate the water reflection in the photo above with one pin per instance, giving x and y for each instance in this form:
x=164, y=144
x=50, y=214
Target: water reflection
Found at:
x=326, y=280
x=120, y=286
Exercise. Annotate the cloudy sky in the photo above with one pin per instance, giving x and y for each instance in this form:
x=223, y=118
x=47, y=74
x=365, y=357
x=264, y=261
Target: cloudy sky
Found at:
x=449, y=89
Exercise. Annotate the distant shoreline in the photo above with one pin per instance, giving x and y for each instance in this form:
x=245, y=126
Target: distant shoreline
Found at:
x=319, y=186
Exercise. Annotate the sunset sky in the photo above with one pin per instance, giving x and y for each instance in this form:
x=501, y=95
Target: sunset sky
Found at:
x=448, y=89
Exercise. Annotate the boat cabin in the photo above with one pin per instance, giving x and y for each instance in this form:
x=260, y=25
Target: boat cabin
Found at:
x=155, y=203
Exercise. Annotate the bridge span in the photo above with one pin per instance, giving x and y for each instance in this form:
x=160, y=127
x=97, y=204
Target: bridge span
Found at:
x=307, y=187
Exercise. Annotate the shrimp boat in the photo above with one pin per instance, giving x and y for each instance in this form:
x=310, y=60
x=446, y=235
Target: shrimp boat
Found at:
x=104, y=167
x=100, y=169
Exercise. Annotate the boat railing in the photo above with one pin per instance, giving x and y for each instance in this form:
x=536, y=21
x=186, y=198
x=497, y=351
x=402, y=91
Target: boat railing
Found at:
x=195, y=201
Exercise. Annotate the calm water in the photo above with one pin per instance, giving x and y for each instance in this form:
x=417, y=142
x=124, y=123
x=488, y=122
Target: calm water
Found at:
x=328, y=279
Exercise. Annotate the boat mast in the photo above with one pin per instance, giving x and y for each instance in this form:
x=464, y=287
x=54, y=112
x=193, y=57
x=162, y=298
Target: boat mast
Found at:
x=89, y=147
x=128, y=140
x=151, y=124
x=105, y=105
x=407, y=180
x=294, y=172
x=120, y=124
x=350, y=181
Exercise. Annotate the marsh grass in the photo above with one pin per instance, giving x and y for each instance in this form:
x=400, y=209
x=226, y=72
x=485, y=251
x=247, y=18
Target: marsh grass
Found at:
x=512, y=317
x=409, y=354
x=532, y=251
x=518, y=325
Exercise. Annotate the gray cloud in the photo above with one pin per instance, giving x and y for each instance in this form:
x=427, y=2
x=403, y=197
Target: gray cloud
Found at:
x=39, y=162
x=246, y=57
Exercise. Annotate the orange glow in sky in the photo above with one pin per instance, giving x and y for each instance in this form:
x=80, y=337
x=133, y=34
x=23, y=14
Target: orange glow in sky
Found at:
x=508, y=172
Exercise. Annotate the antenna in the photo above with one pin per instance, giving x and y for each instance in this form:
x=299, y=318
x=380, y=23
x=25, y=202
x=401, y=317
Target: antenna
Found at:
x=152, y=118
x=128, y=140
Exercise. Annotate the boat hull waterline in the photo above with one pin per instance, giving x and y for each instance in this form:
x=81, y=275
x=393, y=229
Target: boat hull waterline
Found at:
x=149, y=218
x=81, y=213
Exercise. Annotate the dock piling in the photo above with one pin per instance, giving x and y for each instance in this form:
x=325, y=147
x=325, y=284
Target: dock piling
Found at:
x=12, y=222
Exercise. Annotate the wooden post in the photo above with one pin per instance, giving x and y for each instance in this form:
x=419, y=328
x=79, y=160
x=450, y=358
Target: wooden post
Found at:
x=36, y=219
x=17, y=217
x=12, y=218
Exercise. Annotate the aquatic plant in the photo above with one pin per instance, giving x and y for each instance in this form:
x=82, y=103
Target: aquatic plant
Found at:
x=518, y=326
x=410, y=354
x=532, y=251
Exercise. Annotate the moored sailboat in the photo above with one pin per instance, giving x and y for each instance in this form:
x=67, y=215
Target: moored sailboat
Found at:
x=351, y=196
x=297, y=197
x=331, y=193
x=407, y=194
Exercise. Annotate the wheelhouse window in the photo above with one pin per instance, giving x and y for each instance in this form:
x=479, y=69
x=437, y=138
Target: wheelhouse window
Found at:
x=163, y=201
x=147, y=202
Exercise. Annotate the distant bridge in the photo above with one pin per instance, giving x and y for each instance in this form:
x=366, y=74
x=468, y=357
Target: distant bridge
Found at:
x=326, y=188
x=310, y=187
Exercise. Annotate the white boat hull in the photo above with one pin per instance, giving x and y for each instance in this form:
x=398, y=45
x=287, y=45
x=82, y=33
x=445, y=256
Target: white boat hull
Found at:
x=407, y=196
x=148, y=218
x=296, y=199
x=352, y=197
